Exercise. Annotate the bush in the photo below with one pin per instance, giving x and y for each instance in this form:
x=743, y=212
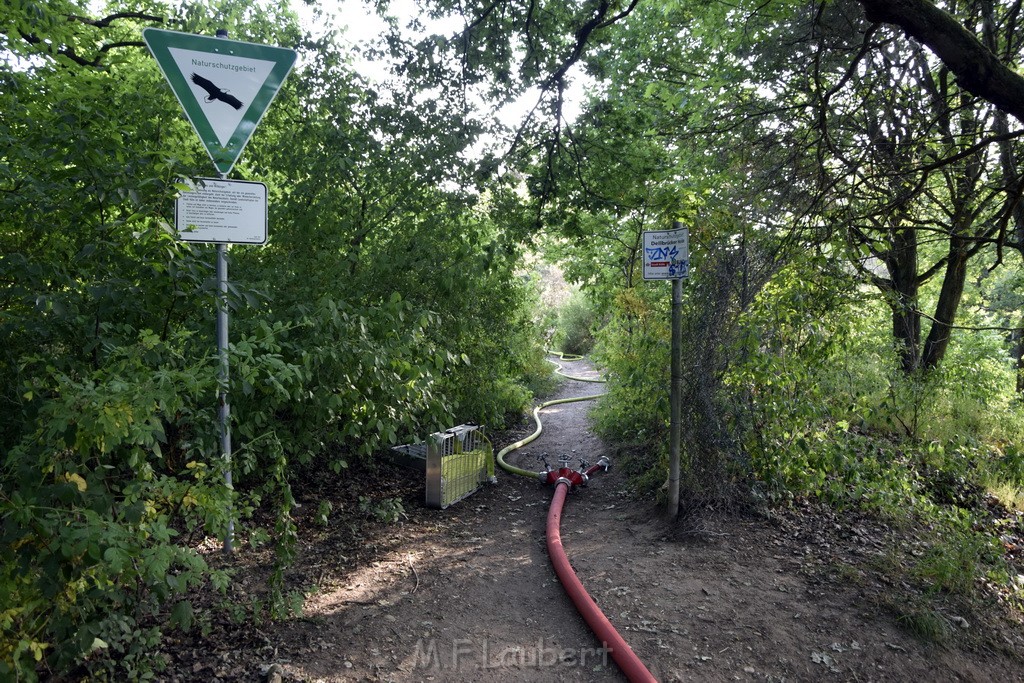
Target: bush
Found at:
x=574, y=329
x=634, y=351
x=113, y=470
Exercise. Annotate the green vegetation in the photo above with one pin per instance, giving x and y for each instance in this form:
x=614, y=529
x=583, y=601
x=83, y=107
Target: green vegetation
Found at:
x=852, y=326
x=386, y=305
x=574, y=327
x=851, y=323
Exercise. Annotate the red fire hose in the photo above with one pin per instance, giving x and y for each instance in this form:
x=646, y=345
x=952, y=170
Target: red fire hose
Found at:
x=565, y=479
x=621, y=652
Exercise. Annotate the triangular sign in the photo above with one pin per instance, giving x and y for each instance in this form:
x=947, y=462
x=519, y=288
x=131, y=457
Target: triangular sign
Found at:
x=224, y=86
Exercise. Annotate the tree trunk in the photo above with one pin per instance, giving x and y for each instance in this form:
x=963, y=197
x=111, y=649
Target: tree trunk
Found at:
x=906, y=329
x=949, y=301
x=1011, y=177
x=906, y=319
x=1017, y=354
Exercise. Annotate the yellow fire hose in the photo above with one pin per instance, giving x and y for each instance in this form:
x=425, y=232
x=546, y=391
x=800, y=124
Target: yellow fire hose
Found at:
x=536, y=415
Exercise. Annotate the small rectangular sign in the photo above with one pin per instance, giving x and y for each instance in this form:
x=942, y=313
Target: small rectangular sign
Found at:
x=666, y=254
x=223, y=211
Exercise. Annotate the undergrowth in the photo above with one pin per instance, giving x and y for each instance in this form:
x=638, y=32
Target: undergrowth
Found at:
x=801, y=399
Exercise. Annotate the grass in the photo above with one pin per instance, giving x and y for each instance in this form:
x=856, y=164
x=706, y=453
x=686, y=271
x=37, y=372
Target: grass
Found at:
x=1009, y=495
x=924, y=622
x=954, y=561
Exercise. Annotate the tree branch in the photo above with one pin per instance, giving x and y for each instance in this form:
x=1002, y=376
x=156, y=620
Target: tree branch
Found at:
x=621, y=15
x=106, y=21
x=69, y=51
x=977, y=69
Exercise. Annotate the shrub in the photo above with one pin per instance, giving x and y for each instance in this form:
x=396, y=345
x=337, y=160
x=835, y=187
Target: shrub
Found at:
x=574, y=330
x=113, y=470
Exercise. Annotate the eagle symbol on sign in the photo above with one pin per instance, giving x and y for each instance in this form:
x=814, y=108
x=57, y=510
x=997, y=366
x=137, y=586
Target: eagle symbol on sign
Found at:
x=215, y=93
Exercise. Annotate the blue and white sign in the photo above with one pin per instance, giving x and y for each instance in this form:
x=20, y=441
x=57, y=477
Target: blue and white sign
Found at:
x=666, y=254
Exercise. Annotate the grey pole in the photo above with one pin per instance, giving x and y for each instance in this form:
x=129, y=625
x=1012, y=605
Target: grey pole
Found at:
x=223, y=407
x=676, y=393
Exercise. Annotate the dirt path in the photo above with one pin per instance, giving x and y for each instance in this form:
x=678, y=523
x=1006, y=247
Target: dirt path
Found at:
x=468, y=594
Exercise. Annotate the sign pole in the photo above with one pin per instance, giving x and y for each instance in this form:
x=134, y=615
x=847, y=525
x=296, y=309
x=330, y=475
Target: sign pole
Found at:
x=667, y=257
x=224, y=87
x=675, y=396
x=224, y=407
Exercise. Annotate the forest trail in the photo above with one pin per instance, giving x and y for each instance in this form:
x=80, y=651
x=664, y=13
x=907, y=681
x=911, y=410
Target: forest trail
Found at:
x=468, y=594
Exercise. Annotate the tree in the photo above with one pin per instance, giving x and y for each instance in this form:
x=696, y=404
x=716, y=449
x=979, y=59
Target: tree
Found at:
x=978, y=69
x=874, y=138
x=908, y=160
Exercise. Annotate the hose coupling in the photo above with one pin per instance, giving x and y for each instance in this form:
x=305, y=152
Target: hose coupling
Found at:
x=543, y=457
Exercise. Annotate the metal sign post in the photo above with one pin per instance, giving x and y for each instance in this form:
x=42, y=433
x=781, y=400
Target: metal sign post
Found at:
x=667, y=257
x=223, y=376
x=675, y=399
x=223, y=407
x=225, y=87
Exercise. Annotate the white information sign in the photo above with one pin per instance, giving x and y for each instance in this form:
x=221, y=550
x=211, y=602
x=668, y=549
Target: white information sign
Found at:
x=666, y=254
x=225, y=211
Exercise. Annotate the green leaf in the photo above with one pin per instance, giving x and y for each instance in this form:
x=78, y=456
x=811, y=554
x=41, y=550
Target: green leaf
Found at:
x=182, y=615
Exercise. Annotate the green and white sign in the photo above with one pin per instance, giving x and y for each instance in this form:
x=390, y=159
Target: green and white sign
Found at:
x=224, y=86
